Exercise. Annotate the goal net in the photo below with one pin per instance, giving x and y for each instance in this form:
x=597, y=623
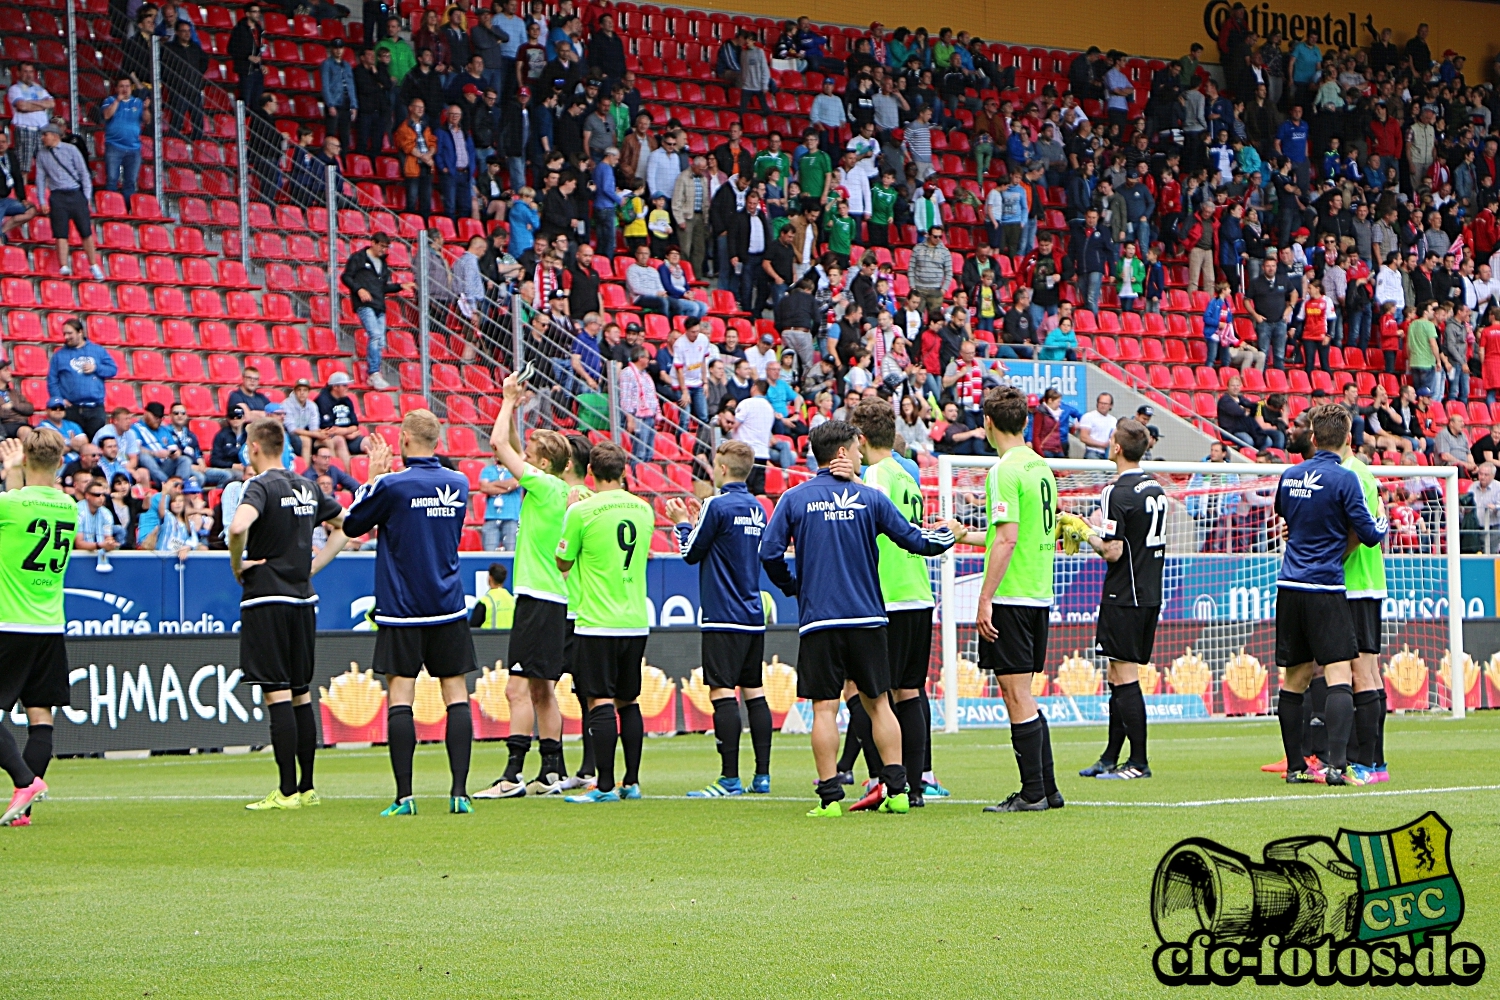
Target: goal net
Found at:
x=1215, y=651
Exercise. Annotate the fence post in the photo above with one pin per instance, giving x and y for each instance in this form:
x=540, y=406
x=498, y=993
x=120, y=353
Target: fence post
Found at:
x=72, y=67
x=614, y=401
x=424, y=318
x=158, y=108
x=242, y=166
x=518, y=339
x=332, y=198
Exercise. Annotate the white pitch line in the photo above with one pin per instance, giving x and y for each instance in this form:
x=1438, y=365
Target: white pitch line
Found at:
x=1352, y=795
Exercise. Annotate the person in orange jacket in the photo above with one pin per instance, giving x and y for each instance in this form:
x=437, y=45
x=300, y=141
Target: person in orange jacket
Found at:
x=418, y=145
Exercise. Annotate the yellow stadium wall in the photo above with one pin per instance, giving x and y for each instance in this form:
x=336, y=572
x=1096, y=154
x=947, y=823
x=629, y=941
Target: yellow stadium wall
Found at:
x=1157, y=29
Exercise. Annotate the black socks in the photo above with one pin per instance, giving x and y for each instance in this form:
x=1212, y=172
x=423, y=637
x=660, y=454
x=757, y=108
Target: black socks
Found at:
x=401, y=734
x=851, y=736
x=1027, y=739
x=859, y=724
x=632, y=739
x=554, y=768
x=284, y=743
x=1366, y=727
x=519, y=746
x=307, y=744
x=1339, y=712
x=12, y=762
x=1049, y=778
x=586, y=767
x=1380, y=730
x=459, y=739
x=760, y=733
x=893, y=777
x=830, y=790
x=1131, y=705
x=1289, y=706
x=727, y=735
x=926, y=728
x=38, y=752
x=1314, y=720
x=603, y=735
x=913, y=736
x=1111, y=754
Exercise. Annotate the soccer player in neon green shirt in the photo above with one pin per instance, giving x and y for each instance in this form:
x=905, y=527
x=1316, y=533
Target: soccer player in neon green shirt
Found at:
x=605, y=541
x=541, y=614
x=1364, y=585
x=1015, y=600
x=907, y=587
x=38, y=522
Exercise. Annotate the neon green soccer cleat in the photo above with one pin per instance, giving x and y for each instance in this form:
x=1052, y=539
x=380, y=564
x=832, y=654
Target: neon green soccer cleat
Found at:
x=309, y=798
x=832, y=809
x=275, y=801
x=401, y=807
x=896, y=804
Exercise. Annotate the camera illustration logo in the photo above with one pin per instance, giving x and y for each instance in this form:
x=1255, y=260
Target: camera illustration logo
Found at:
x=1361, y=909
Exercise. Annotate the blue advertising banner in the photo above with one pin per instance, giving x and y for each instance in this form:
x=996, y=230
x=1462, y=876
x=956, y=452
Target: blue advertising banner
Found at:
x=146, y=593
x=989, y=713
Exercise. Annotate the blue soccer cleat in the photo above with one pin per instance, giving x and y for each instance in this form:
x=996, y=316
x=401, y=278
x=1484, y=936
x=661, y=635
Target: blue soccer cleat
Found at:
x=720, y=788
x=401, y=807
x=594, y=795
x=459, y=805
x=630, y=791
x=760, y=784
x=934, y=790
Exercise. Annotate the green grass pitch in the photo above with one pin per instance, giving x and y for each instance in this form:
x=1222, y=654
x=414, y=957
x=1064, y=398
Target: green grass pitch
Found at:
x=146, y=878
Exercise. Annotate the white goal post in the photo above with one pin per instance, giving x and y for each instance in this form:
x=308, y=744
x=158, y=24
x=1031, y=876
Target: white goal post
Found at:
x=1219, y=585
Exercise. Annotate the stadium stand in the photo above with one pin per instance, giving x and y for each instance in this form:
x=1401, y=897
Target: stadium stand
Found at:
x=1002, y=145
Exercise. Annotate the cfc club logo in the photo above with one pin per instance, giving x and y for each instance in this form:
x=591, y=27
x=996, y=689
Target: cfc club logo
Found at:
x=1362, y=909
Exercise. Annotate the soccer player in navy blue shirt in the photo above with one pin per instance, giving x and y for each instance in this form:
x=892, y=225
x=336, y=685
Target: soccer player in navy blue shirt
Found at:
x=724, y=541
x=835, y=521
x=1326, y=516
x=419, y=596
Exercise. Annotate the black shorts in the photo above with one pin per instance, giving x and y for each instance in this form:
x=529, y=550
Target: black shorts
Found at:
x=446, y=650
x=829, y=657
x=1022, y=645
x=908, y=646
x=1313, y=626
x=570, y=647
x=538, y=645
x=1126, y=633
x=33, y=669
x=70, y=206
x=609, y=666
x=276, y=645
x=1366, y=614
x=733, y=659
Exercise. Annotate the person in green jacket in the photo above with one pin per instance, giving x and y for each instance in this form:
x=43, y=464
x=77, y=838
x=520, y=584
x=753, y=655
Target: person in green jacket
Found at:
x=1132, y=276
x=403, y=58
x=1061, y=343
x=497, y=608
x=883, y=197
x=840, y=232
x=814, y=169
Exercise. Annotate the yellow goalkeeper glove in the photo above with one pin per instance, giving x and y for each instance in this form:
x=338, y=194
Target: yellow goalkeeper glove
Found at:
x=1075, y=531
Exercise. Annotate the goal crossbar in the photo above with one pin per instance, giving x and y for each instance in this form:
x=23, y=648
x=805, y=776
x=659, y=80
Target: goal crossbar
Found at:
x=1446, y=476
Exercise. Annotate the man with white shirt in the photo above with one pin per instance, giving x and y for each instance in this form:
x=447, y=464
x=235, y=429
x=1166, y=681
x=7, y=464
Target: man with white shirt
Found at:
x=691, y=356
x=1486, y=291
x=753, y=420
x=639, y=404
x=31, y=109
x=856, y=184
x=1096, y=427
x=759, y=355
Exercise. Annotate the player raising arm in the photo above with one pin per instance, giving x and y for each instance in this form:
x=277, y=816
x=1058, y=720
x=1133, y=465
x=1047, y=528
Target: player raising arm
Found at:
x=1322, y=505
x=835, y=523
x=1015, y=599
x=1132, y=538
x=724, y=540
x=37, y=525
x=541, y=615
x=274, y=525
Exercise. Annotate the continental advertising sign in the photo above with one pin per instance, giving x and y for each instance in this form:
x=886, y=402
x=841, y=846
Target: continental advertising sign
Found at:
x=1328, y=28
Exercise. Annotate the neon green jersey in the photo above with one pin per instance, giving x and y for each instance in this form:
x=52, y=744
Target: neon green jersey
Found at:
x=37, y=525
x=571, y=581
x=542, y=508
x=1020, y=489
x=607, y=538
x=903, y=575
x=1364, y=568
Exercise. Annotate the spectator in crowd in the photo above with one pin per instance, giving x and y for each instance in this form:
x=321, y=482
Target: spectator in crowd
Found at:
x=65, y=185
x=246, y=48
x=1451, y=446
x=418, y=144
x=31, y=109
x=76, y=374
x=369, y=281
x=124, y=117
